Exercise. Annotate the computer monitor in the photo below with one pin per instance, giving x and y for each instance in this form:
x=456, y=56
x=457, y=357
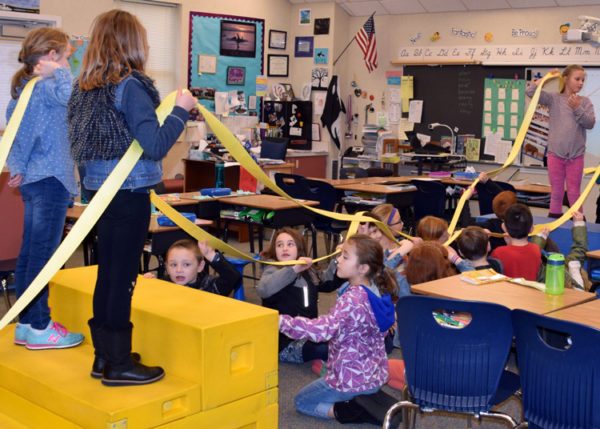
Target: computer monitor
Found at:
x=274, y=148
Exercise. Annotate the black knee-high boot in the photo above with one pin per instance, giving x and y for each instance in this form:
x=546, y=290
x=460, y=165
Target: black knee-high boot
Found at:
x=97, y=334
x=121, y=369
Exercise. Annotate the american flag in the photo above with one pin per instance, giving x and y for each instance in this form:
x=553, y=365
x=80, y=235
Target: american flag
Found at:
x=366, y=41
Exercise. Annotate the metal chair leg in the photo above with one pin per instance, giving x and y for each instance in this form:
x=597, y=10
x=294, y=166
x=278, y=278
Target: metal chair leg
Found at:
x=398, y=405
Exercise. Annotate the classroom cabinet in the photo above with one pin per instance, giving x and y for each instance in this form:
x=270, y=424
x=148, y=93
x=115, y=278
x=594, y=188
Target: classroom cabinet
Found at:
x=309, y=166
x=293, y=119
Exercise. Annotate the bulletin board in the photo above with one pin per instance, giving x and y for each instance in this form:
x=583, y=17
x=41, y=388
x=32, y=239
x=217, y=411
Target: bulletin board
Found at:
x=503, y=107
x=230, y=55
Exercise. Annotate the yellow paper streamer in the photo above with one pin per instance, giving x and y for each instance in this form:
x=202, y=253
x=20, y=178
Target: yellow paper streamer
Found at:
x=15, y=121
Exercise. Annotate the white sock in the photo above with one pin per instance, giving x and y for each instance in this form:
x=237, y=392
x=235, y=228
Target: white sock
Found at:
x=575, y=271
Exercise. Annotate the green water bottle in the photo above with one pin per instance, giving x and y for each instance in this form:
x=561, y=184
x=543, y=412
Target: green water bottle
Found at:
x=555, y=274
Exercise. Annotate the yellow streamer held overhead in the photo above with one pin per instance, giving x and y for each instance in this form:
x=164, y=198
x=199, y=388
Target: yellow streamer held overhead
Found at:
x=239, y=153
x=512, y=156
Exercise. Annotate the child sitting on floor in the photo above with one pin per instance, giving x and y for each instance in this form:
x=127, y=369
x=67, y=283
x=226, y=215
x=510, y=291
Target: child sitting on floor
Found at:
x=185, y=266
x=431, y=228
x=474, y=245
x=519, y=257
x=293, y=290
x=355, y=328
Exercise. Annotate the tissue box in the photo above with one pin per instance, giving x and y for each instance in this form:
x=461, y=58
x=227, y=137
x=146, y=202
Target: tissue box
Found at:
x=465, y=175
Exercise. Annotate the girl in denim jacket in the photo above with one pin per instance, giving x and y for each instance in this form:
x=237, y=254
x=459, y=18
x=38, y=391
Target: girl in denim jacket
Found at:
x=114, y=102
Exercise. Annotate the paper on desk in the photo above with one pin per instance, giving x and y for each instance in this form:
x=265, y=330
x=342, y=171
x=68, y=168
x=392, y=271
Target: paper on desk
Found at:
x=423, y=138
x=406, y=125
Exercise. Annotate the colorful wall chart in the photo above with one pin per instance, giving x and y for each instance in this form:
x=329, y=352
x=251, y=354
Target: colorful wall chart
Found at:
x=503, y=107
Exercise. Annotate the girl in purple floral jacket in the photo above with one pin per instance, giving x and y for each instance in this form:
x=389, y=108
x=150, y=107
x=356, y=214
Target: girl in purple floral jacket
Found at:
x=355, y=328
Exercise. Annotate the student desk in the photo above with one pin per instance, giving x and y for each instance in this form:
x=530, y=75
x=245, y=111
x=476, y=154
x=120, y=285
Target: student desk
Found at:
x=286, y=213
x=504, y=293
x=437, y=161
x=587, y=313
x=399, y=196
x=162, y=236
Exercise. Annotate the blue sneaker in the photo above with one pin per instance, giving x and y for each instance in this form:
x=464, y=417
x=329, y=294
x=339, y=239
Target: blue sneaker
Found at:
x=21, y=331
x=55, y=336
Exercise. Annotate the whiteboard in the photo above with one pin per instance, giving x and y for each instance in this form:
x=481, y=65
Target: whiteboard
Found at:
x=9, y=54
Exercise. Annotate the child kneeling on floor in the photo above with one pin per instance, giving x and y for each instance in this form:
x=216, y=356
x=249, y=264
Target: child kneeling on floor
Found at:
x=355, y=328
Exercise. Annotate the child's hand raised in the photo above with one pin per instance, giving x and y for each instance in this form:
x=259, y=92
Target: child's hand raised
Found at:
x=207, y=251
x=483, y=177
x=577, y=216
x=303, y=267
x=45, y=68
x=185, y=99
x=149, y=275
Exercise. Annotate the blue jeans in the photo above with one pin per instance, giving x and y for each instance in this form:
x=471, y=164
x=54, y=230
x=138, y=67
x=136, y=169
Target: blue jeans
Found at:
x=46, y=203
x=317, y=398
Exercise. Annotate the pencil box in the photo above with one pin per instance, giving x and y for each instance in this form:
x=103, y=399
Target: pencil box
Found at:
x=162, y=220
x=215, y=192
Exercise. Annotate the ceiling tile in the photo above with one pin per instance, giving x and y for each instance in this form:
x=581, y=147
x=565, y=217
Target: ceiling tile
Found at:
x=399, y=7
x=577, y=2
x=442, y=5
x=521, y=4
x=365, y=8
x=486, y=5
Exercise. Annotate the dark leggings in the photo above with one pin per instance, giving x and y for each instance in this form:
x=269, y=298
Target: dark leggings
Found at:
x=122, y=232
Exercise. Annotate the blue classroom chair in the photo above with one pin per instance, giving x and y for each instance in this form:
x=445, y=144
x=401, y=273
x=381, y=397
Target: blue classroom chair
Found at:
x=558, y=364
x=239, y=264
x=451, y=369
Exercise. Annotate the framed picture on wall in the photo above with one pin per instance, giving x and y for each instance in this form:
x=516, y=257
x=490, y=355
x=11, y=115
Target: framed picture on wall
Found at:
x=277, y=39
x=304, y=46
x=321, y=26
x=238, y=39
x=316, y=132
x=304, y=17
x=236, y=75
x=278, y=65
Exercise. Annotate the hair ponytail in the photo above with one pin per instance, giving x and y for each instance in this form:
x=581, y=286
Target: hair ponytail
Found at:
x=370, y=252
x=37, y=43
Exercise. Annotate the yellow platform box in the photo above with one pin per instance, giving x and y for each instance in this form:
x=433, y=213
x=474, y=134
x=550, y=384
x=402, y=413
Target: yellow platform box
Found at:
x=215, y=351
x=228, y=347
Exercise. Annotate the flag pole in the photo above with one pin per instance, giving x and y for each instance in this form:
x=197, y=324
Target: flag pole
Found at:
x=349, y=43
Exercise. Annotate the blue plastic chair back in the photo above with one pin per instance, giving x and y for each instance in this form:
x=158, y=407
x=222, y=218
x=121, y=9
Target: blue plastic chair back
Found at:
x=294, y=185
x=453, y=369
x=561, y=386
x=430, y=199
x=485, y=198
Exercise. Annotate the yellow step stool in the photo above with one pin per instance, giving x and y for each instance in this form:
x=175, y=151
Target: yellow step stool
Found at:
x=218, y=354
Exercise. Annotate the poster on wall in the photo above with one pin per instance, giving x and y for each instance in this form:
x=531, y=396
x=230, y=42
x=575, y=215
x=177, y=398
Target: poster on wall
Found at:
x=238, y=39
x=28, y=6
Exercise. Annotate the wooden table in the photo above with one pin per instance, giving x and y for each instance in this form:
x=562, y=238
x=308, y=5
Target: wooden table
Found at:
x=587, y=313
x=286, y=213
x=504, y=293
x=162, y=236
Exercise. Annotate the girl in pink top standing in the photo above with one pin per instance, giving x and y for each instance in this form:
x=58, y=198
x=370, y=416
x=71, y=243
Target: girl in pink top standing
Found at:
x=570, y=116
x=355, y=328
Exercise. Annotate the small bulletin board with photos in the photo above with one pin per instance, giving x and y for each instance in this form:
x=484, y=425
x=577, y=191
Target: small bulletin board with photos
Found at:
x=225, y=56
